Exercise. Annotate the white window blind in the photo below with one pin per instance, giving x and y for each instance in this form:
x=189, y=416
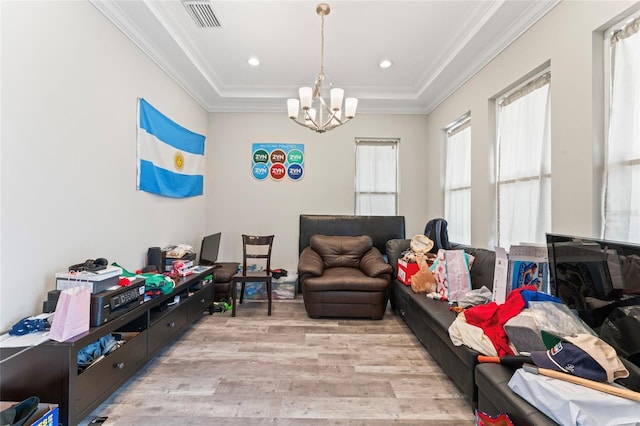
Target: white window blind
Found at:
x=376, y=180
x=457, y=182
x=524, y=164
x=622, y=180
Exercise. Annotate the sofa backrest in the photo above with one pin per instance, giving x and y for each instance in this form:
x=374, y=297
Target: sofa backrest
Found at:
x=483, y=265
x=379, y=228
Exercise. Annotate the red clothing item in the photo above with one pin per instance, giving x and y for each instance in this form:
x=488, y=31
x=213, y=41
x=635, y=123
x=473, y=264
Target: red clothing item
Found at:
x=492, y=317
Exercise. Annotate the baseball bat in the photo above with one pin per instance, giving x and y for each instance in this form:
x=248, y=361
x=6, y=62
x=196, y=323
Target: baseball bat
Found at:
x=602, y=387
x=507, y=360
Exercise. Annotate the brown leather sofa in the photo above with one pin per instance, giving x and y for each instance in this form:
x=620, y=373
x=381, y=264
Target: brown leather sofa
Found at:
x=344, y=276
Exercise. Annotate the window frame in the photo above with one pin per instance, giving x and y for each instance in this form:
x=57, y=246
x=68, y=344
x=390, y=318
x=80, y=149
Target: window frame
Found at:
x=393, y=142
x=501, y=183
x=633, y=162
x=459, y=125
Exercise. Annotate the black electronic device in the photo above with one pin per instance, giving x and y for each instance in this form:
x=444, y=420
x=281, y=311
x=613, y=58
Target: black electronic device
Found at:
x=156, y=257
x=50, y=304
x=90, y=265
x=209, y=249
x=110, y=304
x=593, y=276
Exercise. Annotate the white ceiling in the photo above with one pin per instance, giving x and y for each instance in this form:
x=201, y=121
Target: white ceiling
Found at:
x=435, y=46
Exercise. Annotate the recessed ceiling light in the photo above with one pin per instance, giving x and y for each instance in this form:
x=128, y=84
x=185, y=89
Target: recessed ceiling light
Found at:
x=254, y=62
x=385, y=63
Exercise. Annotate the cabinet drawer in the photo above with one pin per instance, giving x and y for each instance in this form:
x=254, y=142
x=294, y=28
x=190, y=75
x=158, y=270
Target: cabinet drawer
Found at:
x=199, y=302
x=166, y=327
x=112, y=370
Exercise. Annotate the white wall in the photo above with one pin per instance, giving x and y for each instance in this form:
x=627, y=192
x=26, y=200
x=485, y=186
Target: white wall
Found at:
x=237, y=203
x=565, y=38
x=70, y=81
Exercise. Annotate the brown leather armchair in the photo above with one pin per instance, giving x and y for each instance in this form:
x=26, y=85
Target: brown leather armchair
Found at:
x=344, y=276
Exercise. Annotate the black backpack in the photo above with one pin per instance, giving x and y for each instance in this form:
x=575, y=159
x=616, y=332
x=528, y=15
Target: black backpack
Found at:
x=436, y=231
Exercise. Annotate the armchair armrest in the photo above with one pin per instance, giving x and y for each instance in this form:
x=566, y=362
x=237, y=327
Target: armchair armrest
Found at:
x=373, y=264
x=310, y=262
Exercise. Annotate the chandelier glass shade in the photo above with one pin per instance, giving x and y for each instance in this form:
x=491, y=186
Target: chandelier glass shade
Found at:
x=317, y=114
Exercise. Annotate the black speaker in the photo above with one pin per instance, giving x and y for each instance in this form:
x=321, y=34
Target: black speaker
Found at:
x=154, y=257
x=50, y=304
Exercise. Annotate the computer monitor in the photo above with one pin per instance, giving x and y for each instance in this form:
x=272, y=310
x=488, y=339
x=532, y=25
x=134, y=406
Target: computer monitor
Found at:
x=209, y=249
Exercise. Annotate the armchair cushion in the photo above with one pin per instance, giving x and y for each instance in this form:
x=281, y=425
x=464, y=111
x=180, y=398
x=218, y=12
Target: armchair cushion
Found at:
x=346, y=279
x=341, y=251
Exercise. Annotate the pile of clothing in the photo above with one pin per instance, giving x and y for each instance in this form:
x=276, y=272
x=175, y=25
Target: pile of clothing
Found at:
x=97, y=350
x=563, y=360
x=483, y=327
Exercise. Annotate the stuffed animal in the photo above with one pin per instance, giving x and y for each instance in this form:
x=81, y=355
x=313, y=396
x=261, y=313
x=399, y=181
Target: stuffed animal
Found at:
x=423, y=281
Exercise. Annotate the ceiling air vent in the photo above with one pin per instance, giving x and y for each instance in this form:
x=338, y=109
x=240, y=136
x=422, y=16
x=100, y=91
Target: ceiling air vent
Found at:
x=202, y=13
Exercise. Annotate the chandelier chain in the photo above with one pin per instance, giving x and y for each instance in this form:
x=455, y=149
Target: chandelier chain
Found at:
x=322, y=46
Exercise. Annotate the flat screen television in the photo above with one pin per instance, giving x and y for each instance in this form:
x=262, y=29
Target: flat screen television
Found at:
x=590, y=275
x=600, y=280
x=209, y=249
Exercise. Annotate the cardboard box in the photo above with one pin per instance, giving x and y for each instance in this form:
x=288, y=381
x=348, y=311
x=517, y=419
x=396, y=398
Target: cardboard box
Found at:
x=49, y=415
x=96, y=281
x=94, y=286
x=516, y=269
x=406, y=271
x=45, y=415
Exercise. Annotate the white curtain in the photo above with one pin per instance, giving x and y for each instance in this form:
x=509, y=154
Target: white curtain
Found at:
x=376, y=178
x=457, y=182
x=622, y=190
x=524, y=165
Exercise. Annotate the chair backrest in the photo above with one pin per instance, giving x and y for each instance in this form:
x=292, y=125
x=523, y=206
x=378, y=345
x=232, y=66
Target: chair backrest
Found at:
x=250, y=243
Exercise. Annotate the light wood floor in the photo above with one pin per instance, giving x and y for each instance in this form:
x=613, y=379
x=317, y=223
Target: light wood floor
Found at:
x=288, y=369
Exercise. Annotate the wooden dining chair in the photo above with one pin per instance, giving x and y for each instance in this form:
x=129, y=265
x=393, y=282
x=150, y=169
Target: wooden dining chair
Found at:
x=254, y=248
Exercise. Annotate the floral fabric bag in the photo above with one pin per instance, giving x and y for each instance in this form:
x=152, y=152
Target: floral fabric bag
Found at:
x=451, y=272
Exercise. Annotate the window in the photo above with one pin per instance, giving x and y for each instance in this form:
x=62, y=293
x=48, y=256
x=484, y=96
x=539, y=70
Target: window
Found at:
x=457, y=182
x=376, y=181
x=524, y=164
x=622, y=153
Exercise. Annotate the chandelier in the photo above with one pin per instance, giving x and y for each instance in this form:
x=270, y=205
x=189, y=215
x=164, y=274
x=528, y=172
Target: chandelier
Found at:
x=316, y=114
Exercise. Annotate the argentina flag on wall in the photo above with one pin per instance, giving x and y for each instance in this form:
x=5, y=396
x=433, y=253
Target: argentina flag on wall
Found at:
x=170, y=157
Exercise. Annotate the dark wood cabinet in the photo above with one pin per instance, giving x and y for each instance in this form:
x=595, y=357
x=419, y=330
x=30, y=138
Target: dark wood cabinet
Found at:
x=197, y=302
x=50, y=370
x=165, y=328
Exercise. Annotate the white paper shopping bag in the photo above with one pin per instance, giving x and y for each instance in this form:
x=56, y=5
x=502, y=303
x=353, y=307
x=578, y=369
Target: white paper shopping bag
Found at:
x=72, y=314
